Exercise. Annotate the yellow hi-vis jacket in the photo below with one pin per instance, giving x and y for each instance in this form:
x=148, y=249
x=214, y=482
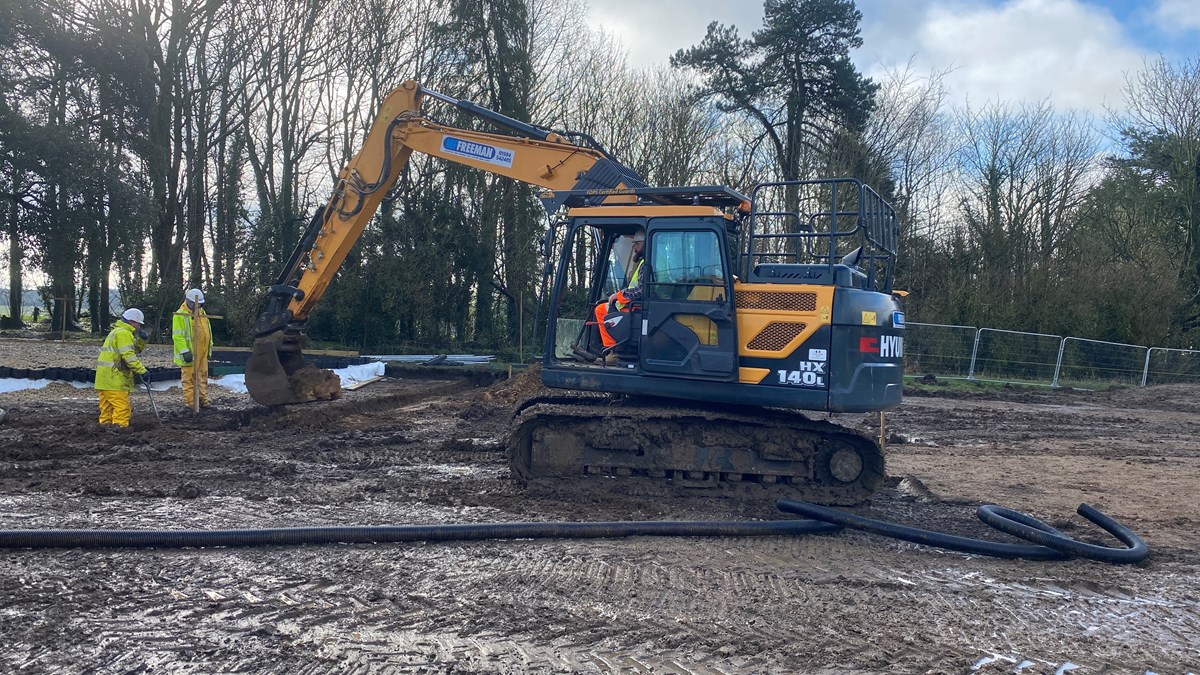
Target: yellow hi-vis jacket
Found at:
x=181, y=334
x=118, y=359
x=633, y=290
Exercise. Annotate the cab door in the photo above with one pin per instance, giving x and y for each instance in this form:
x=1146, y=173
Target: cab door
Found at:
x=687, y=315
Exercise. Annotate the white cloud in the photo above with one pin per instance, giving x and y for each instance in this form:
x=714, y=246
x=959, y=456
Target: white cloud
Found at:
x=1175, y=16
x=654, y=30
x=1074, y=53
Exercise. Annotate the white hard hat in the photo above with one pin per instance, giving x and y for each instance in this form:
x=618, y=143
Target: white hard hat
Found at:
x=194, y=295
x=640, y=235
x=134, y=314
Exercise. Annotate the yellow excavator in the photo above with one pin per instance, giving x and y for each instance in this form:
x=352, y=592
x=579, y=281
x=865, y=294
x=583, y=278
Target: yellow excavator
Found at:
x=748, y=308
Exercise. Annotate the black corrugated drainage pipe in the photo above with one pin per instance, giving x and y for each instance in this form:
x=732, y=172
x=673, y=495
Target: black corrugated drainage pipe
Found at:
x=292, y=536
x=1049, y=543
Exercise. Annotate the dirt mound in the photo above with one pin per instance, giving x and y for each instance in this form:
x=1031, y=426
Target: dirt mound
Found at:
x=1176, y=397
x=517, y=388
x=315, y=384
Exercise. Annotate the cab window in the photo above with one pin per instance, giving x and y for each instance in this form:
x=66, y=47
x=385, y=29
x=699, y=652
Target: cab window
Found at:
x=619, y=268
x=686, y=266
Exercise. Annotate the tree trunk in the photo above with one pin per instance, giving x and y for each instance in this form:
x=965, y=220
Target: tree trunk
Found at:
x=97, y=283
x=15, y=254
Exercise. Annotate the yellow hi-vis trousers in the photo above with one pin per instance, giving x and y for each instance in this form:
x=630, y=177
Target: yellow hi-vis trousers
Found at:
x=189, y=395
x=115, y=408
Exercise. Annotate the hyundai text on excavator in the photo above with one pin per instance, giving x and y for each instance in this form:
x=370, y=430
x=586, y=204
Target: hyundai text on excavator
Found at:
x=752, y=307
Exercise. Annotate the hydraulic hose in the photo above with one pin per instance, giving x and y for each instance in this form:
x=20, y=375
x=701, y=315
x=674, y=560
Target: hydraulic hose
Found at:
x=292, y=536
x=1049, y=543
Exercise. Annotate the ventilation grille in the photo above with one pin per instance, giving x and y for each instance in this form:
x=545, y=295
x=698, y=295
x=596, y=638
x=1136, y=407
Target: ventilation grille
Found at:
x=780, y=302
x=776, y=336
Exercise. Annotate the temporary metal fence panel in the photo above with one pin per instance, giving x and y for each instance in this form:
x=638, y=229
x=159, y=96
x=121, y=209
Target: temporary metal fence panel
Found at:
x=1084, y=363
x=1015, y=356
x=938, y=349
x=1170, y=366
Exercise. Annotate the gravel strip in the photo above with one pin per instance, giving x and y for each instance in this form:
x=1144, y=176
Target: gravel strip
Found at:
x=24, y=353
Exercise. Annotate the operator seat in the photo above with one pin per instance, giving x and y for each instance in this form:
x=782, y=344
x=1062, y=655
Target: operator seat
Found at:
x=624, y=327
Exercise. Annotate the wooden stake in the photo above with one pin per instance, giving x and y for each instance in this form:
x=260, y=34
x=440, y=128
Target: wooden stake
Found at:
x=882, y=431
x=66, y=305
x=195, y=361
x=360, y=385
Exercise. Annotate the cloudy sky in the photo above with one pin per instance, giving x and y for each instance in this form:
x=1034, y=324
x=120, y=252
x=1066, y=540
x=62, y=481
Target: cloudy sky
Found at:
x=1074, y=51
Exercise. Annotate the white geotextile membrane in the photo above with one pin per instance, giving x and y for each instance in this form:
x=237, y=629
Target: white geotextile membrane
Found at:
x=349, y=377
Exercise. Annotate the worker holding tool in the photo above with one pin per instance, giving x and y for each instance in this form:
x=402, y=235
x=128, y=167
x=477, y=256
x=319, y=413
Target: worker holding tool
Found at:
x=117, y=365
x=192, y=337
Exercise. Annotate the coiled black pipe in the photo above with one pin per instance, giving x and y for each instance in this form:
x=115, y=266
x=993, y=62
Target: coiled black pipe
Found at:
x=292, y=536
x=1049, y=543
x=919, y=536
x=1031, y=529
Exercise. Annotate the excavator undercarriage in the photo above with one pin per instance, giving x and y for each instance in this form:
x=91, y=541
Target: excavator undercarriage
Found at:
x=707, y=447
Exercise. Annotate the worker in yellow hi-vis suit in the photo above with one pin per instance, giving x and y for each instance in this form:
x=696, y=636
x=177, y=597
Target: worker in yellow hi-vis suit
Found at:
x=117, y=365
x=193, y=346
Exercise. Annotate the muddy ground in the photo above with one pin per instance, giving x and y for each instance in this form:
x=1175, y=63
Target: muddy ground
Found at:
x=416, y=450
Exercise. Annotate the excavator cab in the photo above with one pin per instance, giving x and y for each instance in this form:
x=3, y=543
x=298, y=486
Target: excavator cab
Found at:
x=782, y=298
x=681, y=322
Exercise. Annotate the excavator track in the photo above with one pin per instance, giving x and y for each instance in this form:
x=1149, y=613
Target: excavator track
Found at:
x=726, y=448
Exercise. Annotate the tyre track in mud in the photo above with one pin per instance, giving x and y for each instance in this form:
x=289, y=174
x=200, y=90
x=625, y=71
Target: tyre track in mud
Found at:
x=609, y=577
x=336, y=622
x=572, y=605
x=318, y=608
x=645, y=605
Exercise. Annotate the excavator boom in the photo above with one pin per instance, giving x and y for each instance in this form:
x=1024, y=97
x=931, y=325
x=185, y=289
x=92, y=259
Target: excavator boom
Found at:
x=276, y=373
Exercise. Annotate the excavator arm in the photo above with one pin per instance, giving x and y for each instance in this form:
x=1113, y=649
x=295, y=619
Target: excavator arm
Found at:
x=276, y=373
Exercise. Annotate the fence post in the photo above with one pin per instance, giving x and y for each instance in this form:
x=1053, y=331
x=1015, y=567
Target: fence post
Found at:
x=1058, y=364
x=1146, y=368
x=974, y=352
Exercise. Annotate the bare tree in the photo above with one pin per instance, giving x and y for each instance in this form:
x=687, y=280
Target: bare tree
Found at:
x=282, y=125
x=1024, y=174
x=910, y=132
x=1161, y=129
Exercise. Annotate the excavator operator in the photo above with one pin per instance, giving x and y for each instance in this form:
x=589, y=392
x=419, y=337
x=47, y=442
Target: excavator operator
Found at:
x=621, y=300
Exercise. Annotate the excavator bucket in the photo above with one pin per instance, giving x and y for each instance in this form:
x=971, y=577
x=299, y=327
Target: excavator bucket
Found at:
x=276, y=374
